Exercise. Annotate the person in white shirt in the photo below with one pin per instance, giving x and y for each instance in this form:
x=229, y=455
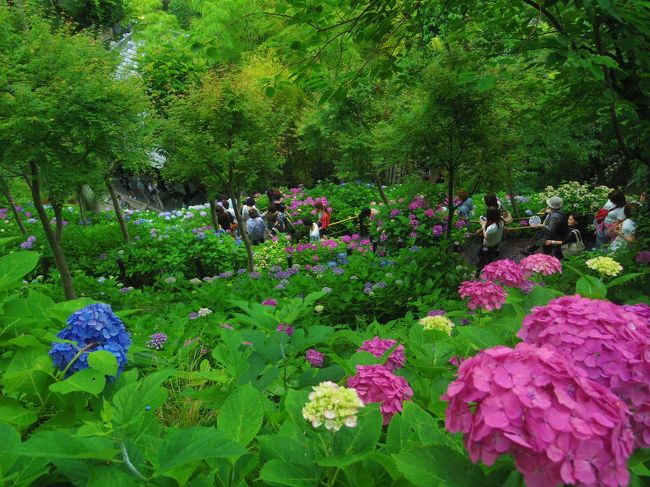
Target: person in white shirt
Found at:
x=492, y=226
x=615, y=208
x=314, y=232
x=625, y=230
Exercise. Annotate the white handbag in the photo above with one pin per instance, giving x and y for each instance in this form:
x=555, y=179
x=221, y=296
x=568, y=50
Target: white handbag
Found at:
x=574, y=248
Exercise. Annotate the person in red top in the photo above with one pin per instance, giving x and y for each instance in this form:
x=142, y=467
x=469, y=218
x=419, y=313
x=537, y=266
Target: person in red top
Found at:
x=324, y=219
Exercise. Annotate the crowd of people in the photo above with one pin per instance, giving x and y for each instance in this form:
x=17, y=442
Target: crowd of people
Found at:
x=560, y=233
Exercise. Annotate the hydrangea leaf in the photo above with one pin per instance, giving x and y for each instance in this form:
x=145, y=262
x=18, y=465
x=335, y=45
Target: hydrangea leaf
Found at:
x=103, y=361
x=241, y=415
x=86, y=380
x=279, y=472
x=591, y=287
x=14, y=267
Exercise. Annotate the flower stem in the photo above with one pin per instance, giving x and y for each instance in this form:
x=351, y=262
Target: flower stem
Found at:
x=76, y=357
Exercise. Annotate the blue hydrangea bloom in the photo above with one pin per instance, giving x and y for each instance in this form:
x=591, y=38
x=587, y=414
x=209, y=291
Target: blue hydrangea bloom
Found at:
x=94, y=325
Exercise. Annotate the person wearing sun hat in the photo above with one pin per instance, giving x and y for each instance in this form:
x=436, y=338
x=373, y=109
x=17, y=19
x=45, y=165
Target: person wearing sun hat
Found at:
x=551, y=229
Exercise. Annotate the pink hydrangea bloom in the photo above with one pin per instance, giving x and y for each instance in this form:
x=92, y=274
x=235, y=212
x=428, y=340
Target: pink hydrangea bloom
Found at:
x=505, y=271
x=270, y=302
x=541, y=264
x=375, y=383
x=482, y=294
x=534, y=404
x=285, y=328
x=610, y=344
x=315, y=358
x=429, y=213
x=641, y=309
x=378, y=346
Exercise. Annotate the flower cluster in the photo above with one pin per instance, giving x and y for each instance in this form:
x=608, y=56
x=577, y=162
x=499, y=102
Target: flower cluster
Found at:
x=378, y=346
x=437, y=322
x=482, y=295
x=436, y=312
x=375, y=383
x=332, y=405
x=29, y=243
x=505, y=271
x=202, y=312
x=270, y=302
x=157, y=341
x=605, y=266
x=640, y=309
x=607, y=341
x=543, y=264
x=92, y=328
x=315, y=358
x=285, y=328
x=530, y=402
x=643, y=257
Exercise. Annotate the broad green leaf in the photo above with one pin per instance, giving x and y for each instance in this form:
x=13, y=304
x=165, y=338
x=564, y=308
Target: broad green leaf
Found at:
x=16, y=413
x=103, y=361
x=279, y=472
x=111, y=477
x=28, y=372
x=86, y=380
x=479, y=338
x=59, y=444
x=14, y=267
x=591, y=287
x=189, y=445
x=287, y=449
x=623, y=279
x=241, y=416
x=8, y=446
x=352, y=444
x=486, y=82
x=438, y=466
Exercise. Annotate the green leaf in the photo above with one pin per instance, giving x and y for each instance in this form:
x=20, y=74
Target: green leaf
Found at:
x=479, y=338
x=8, y=446
x=353, y=444
x=28, y=372
x=110, y=477
x=279, y=472
x=189, y=445
x=14, y=267
x=438, y=465
x=591, y=287
x=287, y=449
x=58, y=444
x=86, y=380
x=241, y=416
x=623, y=279
x=16, y=413
x=269, y=91
x=104, y=362
x=486, y=83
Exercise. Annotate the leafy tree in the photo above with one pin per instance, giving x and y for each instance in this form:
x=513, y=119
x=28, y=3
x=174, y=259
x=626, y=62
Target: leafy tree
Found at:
x=224, y=134
x=61, y=112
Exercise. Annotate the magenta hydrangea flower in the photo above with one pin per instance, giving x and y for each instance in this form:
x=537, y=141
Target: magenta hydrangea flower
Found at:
x=315, y=358
x=505, y=271
x=484, y=295
x=541, y=264
x=437, y=230
x=640, y=309
x=378, y=346
x=285, y=328
x=436, y=312
x=375, y=383
x=270, y=302
x=610, y=344
x=534, y=404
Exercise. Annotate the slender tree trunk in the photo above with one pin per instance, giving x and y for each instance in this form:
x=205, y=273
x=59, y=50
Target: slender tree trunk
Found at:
x=511, y=191
x=118, y=209
x=213, y=214
x=58, y=219
x=450, y=197
x=82, y=206
x=242, y=230
x=380, y=188
x=57, y=251
x=12, y=204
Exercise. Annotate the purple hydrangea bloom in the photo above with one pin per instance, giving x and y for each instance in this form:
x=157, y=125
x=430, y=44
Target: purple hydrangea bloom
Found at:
x=285, y=328
x=436, y=312
x=270, y=302
x=315, y=358
x=94, y=327
x=643, y=257
x=157, y=341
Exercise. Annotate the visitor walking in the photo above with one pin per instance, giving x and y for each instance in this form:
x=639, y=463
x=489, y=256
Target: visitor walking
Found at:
x=255, y=226
x=625, y=230
x=553, y=227
x=314, y=232
x=611, y=212
x=246, y=209
x=324, y=218
x=491, y=200
x=224, y=218
x=466, y=206
x=492, y=226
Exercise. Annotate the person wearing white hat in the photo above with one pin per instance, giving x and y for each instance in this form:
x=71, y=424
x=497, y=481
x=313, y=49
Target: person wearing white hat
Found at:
x=551, y=229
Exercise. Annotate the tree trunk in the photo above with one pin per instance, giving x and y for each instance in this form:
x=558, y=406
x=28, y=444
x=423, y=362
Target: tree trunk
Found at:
x=511, y=192
x=82, y=206
x=450, y=197
x=213, y=214
x=380, y=188
x=118, y=209
x=57, y=251
x=58, y=218
x=235, y=203
x=12, y=204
